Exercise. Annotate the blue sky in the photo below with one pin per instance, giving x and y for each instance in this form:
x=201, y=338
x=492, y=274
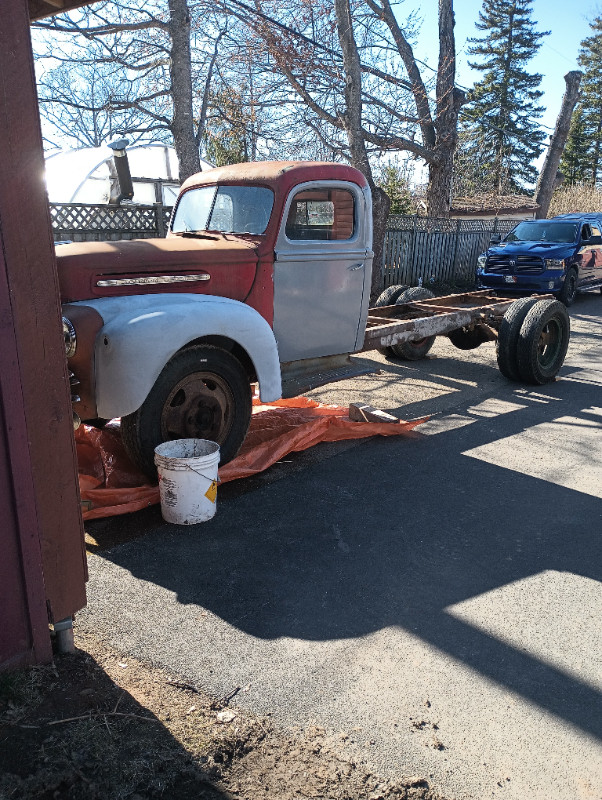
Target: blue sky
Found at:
x=567, y=21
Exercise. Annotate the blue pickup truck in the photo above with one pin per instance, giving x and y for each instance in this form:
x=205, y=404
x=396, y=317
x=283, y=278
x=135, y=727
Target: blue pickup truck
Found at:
x=558, y=256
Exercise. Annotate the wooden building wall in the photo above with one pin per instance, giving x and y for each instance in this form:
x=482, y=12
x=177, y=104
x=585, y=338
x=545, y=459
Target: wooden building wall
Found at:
x=42, y=556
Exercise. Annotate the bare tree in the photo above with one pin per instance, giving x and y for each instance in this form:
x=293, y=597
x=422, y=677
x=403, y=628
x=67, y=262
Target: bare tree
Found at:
x=144, y=53
x=352, y=66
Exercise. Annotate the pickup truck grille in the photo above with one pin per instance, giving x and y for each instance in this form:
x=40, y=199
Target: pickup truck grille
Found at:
x=510, y=265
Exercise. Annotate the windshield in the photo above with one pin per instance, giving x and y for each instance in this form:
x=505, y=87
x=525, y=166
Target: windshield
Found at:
x=228, y=209
x=559, y=232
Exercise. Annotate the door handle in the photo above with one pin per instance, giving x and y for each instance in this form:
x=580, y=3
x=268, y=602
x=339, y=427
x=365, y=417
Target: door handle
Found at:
x=356, y=266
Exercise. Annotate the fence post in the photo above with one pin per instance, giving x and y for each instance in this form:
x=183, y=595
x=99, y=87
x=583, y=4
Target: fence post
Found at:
x=161, y=232
x=456, y=245
x=412, y=248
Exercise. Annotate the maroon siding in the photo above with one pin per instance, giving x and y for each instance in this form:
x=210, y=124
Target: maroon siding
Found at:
x=42, y=561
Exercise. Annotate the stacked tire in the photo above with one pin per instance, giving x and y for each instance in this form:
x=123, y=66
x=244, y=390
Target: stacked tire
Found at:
x=399, y=295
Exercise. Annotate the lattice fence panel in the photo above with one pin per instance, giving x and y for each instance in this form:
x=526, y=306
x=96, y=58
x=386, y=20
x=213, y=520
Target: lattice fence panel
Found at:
x=86, y=222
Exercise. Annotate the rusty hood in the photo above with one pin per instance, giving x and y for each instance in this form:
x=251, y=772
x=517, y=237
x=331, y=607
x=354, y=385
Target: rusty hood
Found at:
x=223, y=265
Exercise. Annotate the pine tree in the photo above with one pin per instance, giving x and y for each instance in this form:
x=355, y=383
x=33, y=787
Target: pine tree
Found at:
x=576, y=162
x=584, y=146
x=504, y=109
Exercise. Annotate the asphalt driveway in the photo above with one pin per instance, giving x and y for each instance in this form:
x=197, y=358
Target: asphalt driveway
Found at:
x=435, y=599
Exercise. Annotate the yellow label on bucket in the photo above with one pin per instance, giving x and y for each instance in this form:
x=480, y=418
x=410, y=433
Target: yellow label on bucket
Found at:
x=211, y=492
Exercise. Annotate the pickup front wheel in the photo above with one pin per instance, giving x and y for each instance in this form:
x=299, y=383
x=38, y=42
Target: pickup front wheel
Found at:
x=203, y=392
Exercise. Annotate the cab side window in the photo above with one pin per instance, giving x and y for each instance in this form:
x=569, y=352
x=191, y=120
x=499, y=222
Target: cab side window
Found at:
x=585, y=233
x=595, y=231
x=321, y=214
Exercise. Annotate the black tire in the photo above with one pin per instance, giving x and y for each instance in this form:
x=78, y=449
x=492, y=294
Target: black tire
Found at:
x=543, y=341
x=568, y=293
x=389, y=296
x=98, y=422
x=467, y=338
x=203, y=392
x=508, y=336
x=413, y=351
x=412, y=294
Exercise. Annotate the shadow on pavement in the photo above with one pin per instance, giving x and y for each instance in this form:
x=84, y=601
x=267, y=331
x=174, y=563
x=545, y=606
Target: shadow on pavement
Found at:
x=392, y=533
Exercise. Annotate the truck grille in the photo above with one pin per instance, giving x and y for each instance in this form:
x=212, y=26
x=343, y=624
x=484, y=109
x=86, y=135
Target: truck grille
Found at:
x=510, y=265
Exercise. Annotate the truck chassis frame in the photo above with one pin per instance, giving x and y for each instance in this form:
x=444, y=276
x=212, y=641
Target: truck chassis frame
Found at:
x=437, y=316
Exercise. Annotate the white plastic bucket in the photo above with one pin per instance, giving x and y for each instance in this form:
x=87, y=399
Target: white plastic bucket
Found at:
x=187, y=480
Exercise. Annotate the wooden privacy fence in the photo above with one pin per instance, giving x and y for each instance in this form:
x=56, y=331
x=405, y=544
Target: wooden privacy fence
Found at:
x=433, y=250
x=84, y=222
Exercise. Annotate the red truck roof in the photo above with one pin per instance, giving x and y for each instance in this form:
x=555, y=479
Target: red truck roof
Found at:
x=281, y=176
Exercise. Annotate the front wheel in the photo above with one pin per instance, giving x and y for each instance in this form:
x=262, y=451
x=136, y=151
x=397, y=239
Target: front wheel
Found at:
x=569, y=288
x=203, y=392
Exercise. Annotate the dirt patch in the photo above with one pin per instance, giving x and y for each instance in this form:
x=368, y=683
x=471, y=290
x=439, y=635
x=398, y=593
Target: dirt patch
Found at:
x=97, y=725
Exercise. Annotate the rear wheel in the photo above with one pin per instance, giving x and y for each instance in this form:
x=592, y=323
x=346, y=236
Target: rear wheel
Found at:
x=203, y=392
x=413, y=351
x=508, y=336
x=543, y=341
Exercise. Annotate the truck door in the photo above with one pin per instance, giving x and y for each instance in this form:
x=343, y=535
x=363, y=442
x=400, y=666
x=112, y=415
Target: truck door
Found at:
x=322, y=270
x=596, y=246
x=586, y=256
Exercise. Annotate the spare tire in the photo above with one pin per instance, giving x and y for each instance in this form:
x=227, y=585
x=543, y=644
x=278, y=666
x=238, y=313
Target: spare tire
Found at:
x=389, y=296
x=413, y=351
x=412, y=294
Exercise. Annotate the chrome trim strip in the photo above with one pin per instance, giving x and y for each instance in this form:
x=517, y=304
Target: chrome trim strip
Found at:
x=155, y=279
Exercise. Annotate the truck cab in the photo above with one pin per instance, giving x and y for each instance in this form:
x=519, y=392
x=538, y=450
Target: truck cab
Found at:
x=264, y=277
x=558, y=256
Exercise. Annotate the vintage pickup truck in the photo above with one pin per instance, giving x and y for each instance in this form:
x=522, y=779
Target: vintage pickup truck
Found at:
x=264, y=278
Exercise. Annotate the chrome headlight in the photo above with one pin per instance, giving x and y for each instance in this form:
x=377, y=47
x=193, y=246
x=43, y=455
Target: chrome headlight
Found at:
x=70, y=337
x=481, y=261
x=554, y=263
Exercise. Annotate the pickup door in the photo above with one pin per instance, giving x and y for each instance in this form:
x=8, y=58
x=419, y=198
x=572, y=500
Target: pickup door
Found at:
x=322, y=271
x=589, y=257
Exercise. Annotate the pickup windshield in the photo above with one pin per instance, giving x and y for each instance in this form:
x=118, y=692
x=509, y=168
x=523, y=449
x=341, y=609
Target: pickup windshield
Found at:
x=560, y=232
x=227, y=209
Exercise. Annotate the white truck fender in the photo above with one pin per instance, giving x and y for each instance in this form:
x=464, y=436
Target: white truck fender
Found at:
x=142, y=332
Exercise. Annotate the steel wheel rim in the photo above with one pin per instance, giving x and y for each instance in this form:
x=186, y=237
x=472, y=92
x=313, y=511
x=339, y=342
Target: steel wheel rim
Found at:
x=549, y=344
x=200, y=406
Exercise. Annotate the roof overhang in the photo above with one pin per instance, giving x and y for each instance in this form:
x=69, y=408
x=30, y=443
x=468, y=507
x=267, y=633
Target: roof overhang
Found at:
x=38, y=9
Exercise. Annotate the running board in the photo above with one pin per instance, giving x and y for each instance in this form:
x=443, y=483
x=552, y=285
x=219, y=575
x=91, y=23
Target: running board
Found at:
x=299, y=377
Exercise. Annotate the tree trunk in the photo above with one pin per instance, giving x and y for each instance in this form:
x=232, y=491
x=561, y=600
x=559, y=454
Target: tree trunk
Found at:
x=182, y=126
x=381, y=204
x=547, y=176
x=355, y=136
x=449, y=102
x=438, y=196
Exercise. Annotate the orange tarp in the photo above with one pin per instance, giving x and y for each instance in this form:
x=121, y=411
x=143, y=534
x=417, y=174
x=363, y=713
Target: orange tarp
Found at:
x=111, y=485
